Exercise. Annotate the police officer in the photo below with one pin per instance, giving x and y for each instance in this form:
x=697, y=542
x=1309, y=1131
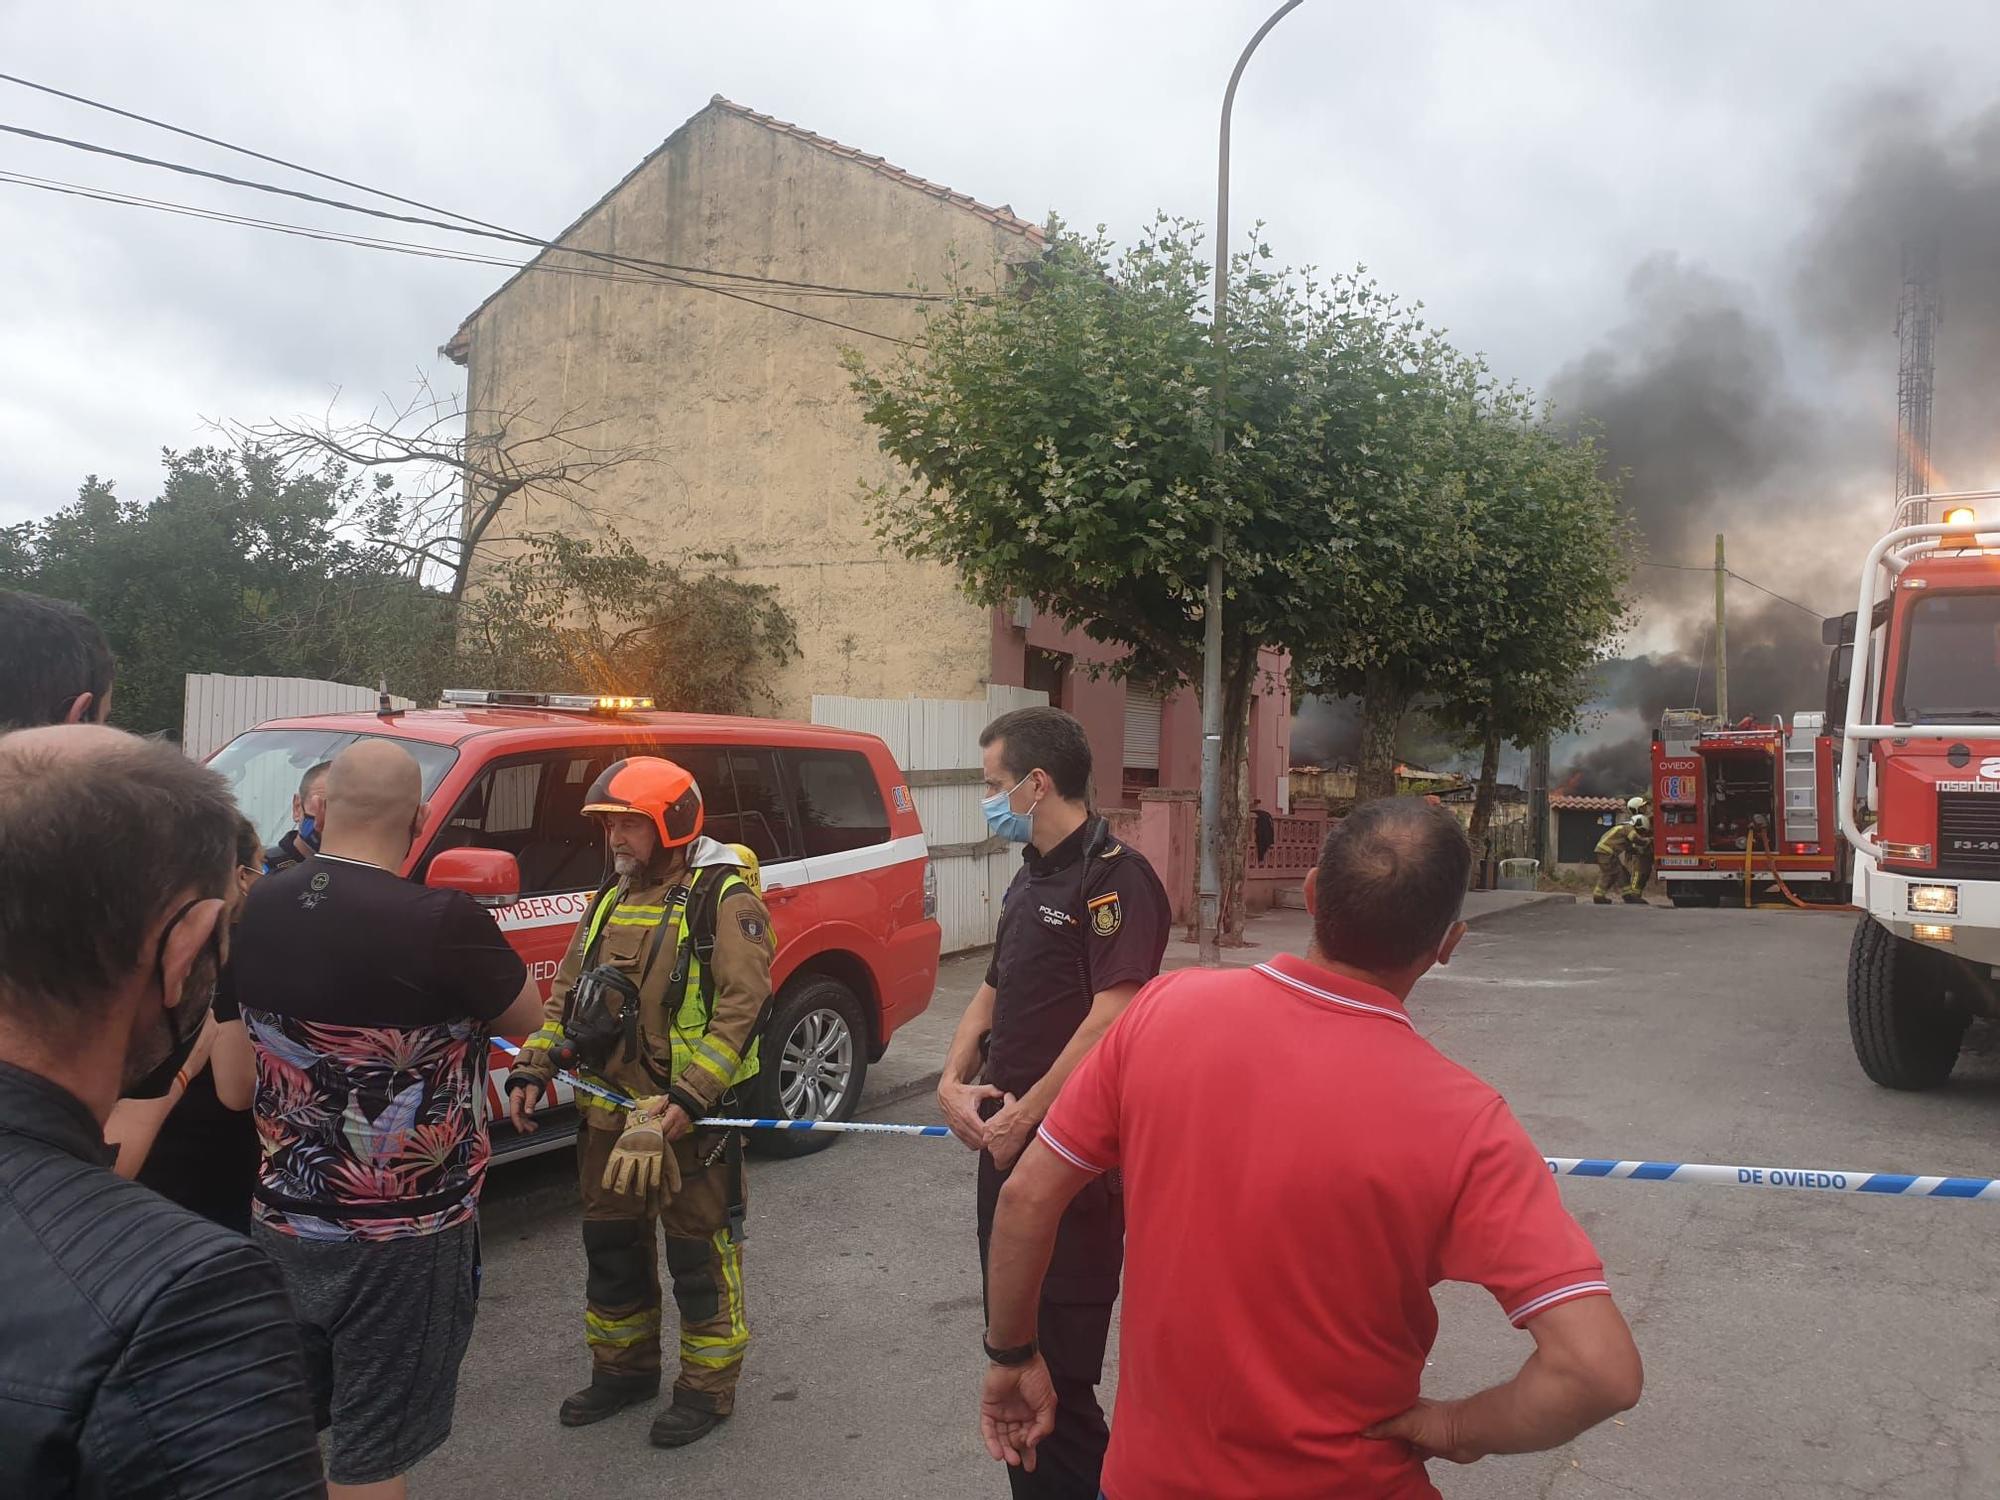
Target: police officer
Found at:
x=659, y=998
x=1084, y=925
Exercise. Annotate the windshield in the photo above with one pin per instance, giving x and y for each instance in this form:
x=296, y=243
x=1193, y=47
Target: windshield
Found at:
x=263, y=768
x=1951, y=660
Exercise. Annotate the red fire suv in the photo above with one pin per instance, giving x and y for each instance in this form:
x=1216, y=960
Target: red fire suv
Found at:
x=827, y=812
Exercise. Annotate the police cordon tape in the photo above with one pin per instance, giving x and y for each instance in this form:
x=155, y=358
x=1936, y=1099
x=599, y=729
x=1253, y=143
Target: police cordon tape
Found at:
x=1799, y=1179
x=826, y=1127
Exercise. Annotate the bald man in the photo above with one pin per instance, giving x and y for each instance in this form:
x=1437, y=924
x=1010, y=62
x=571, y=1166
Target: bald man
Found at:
x=143, y=1350
x=370, y=1000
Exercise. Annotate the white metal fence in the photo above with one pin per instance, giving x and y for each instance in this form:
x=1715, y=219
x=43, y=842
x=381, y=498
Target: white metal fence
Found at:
x=219, y=707
x=936, y=742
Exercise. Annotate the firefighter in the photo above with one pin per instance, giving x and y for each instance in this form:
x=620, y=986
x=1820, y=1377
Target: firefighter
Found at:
x=659, y=998
x=1620, y=860
x=1639, y=807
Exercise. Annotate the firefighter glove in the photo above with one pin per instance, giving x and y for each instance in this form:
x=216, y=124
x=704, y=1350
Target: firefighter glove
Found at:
x=642, y=1159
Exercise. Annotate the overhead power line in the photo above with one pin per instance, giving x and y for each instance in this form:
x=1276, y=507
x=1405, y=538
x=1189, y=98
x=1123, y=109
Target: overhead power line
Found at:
x=1732, y=573
x=661, y=275
x=498, y=230
x=334, y=236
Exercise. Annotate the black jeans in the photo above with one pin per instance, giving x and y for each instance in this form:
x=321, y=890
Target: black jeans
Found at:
x=1072, y=1327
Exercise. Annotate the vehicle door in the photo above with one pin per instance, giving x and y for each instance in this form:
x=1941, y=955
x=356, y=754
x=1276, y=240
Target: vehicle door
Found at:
x=760, y=818
x=844, y=830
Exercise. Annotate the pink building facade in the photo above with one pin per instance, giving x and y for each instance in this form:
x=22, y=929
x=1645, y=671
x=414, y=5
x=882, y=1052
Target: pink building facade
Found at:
x=1147, y=751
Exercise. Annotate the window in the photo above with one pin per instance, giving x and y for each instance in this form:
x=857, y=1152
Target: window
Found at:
x=532, y=808
x=1951, y=659
x=1048, y=672
x=764, y=818
x=263, y=768
x=1142, y=742
x=840, y=804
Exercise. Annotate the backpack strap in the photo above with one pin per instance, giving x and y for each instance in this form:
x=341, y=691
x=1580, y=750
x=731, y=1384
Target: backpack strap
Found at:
x=703, y=903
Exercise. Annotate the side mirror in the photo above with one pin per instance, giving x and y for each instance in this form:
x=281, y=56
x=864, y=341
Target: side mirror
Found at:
x=1837, y=630
x=491, y=877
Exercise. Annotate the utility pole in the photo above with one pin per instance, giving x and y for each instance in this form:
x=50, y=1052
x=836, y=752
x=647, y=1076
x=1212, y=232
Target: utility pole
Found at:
x=1209, y=904
x=1721, y=639
x=1538, y=804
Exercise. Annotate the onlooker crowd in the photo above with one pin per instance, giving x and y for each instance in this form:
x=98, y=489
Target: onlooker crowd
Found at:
x=243, y=1139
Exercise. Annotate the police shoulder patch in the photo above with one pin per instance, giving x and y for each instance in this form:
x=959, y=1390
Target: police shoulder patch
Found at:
x=1106, y=915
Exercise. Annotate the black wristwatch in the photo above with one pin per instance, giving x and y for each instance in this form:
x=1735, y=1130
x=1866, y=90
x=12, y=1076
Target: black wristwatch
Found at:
x=1018, y=1355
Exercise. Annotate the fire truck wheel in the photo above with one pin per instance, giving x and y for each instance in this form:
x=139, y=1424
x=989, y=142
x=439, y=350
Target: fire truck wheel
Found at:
x=1906, y=1035
x=814, y=1061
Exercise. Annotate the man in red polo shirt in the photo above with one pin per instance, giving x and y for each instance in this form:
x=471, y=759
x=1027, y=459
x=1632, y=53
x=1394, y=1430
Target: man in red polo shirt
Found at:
x=1288, y=1214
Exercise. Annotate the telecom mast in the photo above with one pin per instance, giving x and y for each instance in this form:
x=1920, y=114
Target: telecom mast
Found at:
x=1916, y=370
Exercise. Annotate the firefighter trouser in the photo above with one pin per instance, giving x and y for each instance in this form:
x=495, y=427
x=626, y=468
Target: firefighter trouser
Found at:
x=621, y=1318
x=1615, y=870
x=1072, y=1325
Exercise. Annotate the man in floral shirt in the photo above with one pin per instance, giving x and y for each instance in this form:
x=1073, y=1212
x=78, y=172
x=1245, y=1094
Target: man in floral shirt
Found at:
x=370, y=1000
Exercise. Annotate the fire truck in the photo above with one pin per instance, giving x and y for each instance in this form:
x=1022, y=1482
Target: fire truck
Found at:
x=1743, y=809
x=1919, y=786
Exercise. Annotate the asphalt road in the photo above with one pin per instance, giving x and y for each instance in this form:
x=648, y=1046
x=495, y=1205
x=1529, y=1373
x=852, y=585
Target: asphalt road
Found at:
x=1795, y=1345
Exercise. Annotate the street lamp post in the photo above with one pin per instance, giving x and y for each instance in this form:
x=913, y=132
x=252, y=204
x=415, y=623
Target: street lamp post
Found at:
x=1209, y=914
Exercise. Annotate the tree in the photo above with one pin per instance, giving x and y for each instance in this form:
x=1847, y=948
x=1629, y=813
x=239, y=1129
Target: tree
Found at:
x=562, y=614
x=235, y=566
x=1057, y=437
x=456, y=471
x=1560, y=552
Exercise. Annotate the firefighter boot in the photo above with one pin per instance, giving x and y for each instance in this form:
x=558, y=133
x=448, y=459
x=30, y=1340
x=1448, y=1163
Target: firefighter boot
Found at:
x=606, y=1395
x=1600, y=900
x=1633, y=898
x=683, y=1422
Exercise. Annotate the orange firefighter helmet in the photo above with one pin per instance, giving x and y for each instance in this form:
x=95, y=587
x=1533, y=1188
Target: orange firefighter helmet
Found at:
x=658, y=788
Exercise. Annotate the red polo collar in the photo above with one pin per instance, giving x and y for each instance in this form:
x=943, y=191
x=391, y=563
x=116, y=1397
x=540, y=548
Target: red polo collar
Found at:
x=1336, y=990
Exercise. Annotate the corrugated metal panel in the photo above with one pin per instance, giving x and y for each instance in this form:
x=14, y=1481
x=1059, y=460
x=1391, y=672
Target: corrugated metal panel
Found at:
x=942, y=734
x=217, y=707
x=1142, y=730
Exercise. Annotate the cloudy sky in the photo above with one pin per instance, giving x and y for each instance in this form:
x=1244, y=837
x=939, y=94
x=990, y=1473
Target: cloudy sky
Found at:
x=1677, y=217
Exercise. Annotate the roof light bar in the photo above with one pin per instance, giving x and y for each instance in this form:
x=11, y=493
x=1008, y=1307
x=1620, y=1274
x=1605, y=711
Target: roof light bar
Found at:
x=605, y=703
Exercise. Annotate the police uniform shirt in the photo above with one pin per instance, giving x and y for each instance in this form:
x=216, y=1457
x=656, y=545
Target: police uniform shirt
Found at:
x=1075, y=922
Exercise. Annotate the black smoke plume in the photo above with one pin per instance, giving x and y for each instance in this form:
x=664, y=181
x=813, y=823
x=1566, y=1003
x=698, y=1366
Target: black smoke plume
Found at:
x=1787, y=445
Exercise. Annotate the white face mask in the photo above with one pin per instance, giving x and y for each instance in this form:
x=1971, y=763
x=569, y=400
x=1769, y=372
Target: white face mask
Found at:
x=1001, y=819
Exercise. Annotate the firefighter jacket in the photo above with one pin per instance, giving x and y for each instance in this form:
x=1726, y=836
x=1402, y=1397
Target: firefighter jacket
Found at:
x=1624, y=840
x=693, y=1050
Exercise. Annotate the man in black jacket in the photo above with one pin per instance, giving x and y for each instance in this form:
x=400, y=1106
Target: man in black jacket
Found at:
x=144, y=1352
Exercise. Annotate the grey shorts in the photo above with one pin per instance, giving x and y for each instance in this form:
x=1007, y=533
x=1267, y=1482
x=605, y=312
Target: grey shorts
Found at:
x=385, y=1326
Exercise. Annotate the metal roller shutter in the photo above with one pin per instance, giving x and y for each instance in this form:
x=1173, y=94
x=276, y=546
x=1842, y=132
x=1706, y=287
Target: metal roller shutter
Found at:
x=1142, y=730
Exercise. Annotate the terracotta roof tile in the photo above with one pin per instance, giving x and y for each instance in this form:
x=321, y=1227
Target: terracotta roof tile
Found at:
x=1003, y=215
x=1586, y=804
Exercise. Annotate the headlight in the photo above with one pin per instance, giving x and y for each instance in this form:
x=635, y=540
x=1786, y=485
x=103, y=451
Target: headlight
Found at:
x=1920, y=853
x=1934, y=900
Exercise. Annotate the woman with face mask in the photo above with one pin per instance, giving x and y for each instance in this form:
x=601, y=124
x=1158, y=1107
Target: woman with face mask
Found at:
x=196, y=1144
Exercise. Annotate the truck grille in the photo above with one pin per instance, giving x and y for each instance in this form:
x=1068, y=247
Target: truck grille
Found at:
x=1968, y=834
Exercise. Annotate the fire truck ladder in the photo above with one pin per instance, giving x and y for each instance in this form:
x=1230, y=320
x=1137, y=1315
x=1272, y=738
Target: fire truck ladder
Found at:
x=1801, y=780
